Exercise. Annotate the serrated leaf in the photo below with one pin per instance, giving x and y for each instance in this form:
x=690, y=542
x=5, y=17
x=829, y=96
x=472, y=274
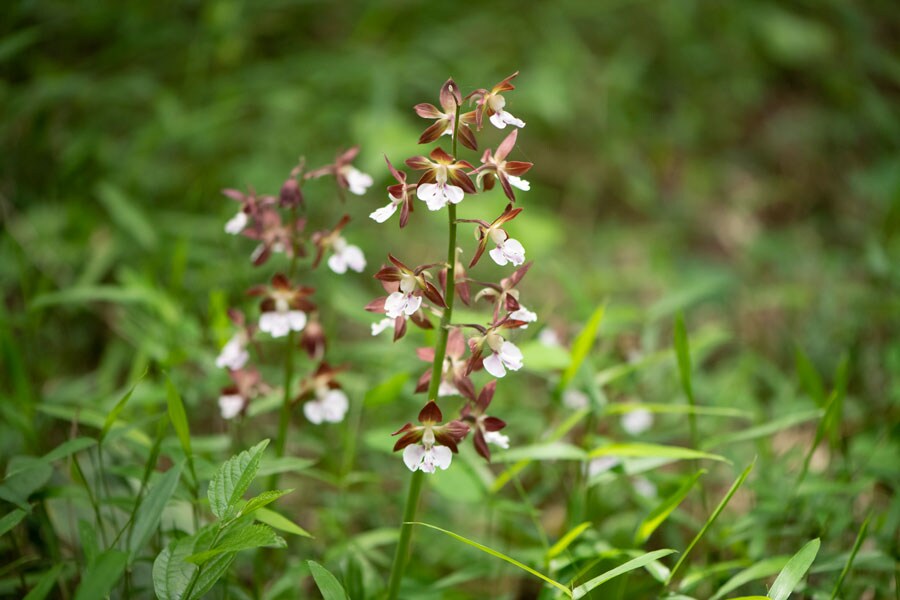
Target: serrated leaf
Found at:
x=637, y=450
x=147, y=520
x=327, y=583
x=794, y=571
x=68, y=448
x=44, y=585
x=499, y=555
x=262, y=500
x=240, y=538
x=664, y=509
x=100, y=577
x=233, y=478
x=172, y=574
x=279, y=522
x=631, y=565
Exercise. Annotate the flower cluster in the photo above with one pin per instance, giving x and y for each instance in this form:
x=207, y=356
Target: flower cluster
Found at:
x=286, y=310
x=426, y=292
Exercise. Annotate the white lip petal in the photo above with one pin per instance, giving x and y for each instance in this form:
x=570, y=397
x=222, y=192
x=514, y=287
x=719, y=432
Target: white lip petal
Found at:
x=230, y=405
x=498, y=257
x=314, y=412
x=494, y=365
x=296, y=320
x=236, y=224
x=275, y=324
x=523, y=314
x=233, y=355
x=511, y=356
x=432, y=195
x=497, y=438
x=394, y=304
x=384, y=213
x=382, y=325
x=412, y=456
x=354, y=258
x=337, y=263
x=513, y=250
x=357, y=181
x=518, y=182
x=497, y=120
x=335, y=405
x=412, y=304
x=454, y=193
x=442, y=456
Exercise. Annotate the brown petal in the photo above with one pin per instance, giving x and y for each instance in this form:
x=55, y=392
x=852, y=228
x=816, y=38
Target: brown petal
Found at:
x=388, y=274
x=481, y=446
x=517, y=275
x=398, y=175
x=438, y=155
x=450, y=96
x=506, y=145
x=486, y=395
x=434, y=131
x=430, y=413
x=426, y=354
x=467, y=137
x=280, y=282
x=376, y=305
x=482, y=244
x=465, y=387
x=505, y=85
x=424, y=382
x=517, y=167
x=456, y=343
x=507, y=189
x=410, y=438
x=493, y=424
x=399, y=328
x=427, y=111
x=432, y=293
x=457, y=177
x=399, y=264
x=418, y=163
x=348, y=156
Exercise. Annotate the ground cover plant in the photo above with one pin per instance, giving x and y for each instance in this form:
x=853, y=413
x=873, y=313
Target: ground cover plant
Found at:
x=327, y=301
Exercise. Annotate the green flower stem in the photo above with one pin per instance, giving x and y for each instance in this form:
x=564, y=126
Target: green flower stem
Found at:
x=437, y=367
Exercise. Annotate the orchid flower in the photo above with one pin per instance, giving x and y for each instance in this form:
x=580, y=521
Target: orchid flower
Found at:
x=234, y=355
x=444, y=181
x=508, y=250
x=344, y=256
x=493, y=104
x=235, y=398
x=454, y=379
x=284, y=307
x=348, y=177
x=323, y=399
x=430, y=444
x=273, y=235
x=505, y=297
x=450, y=100
x=400, y=194
x=507, y=171
x=487, y=429
x=412, y=284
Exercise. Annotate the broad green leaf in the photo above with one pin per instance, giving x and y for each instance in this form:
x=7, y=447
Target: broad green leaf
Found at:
x=68, y=448
x=233, y=478
x=683, y=355
x=665, y=508
x=45, y=584
x=581, y=346
x=631, y=565
x=387, y=391
x=114, y=413
x=860, y=536
x=653, y=450
x=262, y=500
x=100, y=577
x=178, y=417
x=279, y=522
x=172, y=574
x=794, y=571
x=708, y=411
x=764, y=430
x=25, y=476
x=147, y=520
x=12, y=519
x=566, y=540
x=499, y=555
x=550, y=451
x=327, y=583
x=240, y=538
x=712, y=518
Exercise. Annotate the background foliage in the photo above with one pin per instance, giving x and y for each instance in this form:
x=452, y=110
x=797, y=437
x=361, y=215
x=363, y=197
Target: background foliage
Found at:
x=737, y=162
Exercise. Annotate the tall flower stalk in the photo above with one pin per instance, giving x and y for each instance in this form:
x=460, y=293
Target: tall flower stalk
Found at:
x=445, y=182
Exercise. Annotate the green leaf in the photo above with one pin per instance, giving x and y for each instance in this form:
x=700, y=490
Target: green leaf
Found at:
x=283, y=464
x=810, y=378
x=125, y=213
x=686, y=409
x=712, y=518
x=87, y=536
x=327, y=583
x=665, y=508
x=114, y=413
x=499, y=555
x=279, y=522
x=764, y=568
x=764, y=430
x=860, y=536
x=653, y=450
x=25, y=476
x=550, y=451
x=582, y=345
x=151, y=509
x=171, y=573
x=68, y=448
x=178, y=417
x=794, y=571
x=240, y=538
x=631, y=565
x=45, y=584
x=565, y=541
x=262, y=500
x=100, y=577
x=232, y=480
x=12, y=519
x=387, y=391
x=683, y=354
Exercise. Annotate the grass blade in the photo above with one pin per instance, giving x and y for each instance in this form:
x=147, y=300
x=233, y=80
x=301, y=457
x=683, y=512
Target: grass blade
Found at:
x=45, y=584
x=499, y=555
x=565, y=541
x=662, y=512
x=638, y=450
x=631, y=565
x=582, y=345
x=856, y=545
x=712, y=518
x=279, y=522
x=100, y=578
x=147, y=519
x=794, y=571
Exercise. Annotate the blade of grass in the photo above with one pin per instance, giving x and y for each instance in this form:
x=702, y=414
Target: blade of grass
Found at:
x=582, y=345
x=665, y=508
x=712, y=518
x=856, y=545
x=631, y=565
x=794, y=571
x=565, y=541
x=499, y=555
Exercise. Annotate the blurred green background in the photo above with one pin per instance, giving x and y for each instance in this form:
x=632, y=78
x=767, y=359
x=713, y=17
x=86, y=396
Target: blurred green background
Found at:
x=739, y=161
